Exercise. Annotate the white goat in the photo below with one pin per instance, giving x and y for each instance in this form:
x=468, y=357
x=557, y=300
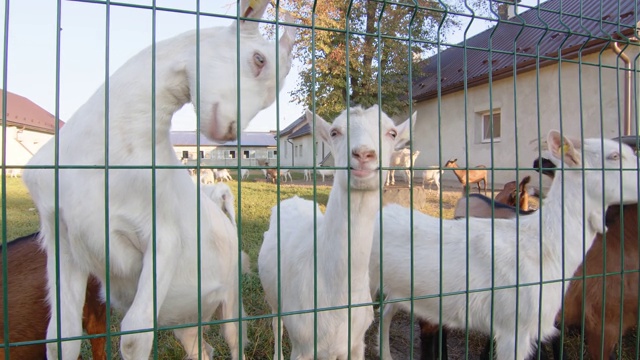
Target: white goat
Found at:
x=336, y=248
x=72, y=205
x=502, y=253
x=272, y=175
x=222, y=175
x=221, y=195
x=432, y=175
x=284, y=174
x=244, y=174
x=207, y=176
x=14, y=173
x=323, y=172
x=402, y=158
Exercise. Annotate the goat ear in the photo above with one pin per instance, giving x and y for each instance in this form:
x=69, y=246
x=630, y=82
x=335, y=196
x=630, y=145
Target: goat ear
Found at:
x=322, y=126
x=544, y=145
x=404, y=130
x=563, y=149
x=288, y=37
x=253, y=9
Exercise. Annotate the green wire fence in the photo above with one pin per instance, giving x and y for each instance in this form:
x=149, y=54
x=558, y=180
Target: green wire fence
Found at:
x=487, y=80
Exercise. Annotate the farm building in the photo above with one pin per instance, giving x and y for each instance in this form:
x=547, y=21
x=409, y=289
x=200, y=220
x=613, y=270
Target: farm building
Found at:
x=567, y=69
x=253, y=146
x=28, y=128
x=296, y=145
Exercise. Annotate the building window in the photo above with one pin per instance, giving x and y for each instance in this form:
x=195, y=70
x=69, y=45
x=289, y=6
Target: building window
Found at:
x=201, y=154
x=230, y=154
x=486, y=127
x=295, y=151
x=185, y=154
x=249, y=154
x=272, y=154
x=300, y=150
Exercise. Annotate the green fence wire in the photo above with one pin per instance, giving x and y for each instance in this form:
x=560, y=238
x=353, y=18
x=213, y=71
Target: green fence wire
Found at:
x=487, y=81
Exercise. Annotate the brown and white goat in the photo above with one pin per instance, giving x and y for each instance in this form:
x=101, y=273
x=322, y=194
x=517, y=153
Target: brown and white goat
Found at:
x=513, y=194
x=27, y=306
x=470, y=176
x=273, y=175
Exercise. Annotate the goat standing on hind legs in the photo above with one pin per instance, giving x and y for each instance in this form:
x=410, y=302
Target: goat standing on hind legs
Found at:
x=149, y=205
x=469, y=176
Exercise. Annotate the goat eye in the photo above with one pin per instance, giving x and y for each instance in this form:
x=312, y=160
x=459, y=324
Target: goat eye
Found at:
x=393, y=134
x=334, y=133
x=614, y=156
x=259, y=60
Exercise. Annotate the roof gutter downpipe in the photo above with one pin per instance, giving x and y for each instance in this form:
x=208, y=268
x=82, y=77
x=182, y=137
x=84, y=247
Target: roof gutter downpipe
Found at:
x=627, y=86
x=293, y=156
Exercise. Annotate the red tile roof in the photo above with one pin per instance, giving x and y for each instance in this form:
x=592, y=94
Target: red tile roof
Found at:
x=24, y=113
x=557, y=29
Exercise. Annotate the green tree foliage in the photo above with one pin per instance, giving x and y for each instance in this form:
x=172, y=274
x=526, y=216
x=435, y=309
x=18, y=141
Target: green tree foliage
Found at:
x=383, y=42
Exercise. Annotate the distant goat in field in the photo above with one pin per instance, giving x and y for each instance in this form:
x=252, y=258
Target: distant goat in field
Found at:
x=470, y=176
x=432, y=175
x=404, y=159
x=222, y=175
x=273, y=175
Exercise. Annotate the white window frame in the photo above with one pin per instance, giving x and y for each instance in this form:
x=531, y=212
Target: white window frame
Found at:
x=486, y=116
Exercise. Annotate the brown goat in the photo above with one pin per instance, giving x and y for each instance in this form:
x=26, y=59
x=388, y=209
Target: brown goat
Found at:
x=618, y=311
x=475, y=176
x=511, y=194
x=27, y=305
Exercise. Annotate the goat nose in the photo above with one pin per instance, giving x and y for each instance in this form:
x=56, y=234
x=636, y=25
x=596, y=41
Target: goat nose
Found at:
x=363, y=154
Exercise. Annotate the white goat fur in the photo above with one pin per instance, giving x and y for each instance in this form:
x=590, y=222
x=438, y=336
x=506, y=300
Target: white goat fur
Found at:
x=222, y=175
x=307, y=174
x=323, y=172
x=296, y=240
x=401, y=158
x=221, y=195
x=514, y=250
x=432, y=175
x=132, y=218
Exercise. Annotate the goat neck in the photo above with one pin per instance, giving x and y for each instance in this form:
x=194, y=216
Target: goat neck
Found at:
x=562, y=220
x=357, y=215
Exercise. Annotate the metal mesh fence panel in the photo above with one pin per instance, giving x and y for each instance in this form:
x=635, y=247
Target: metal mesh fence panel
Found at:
x=329, y=241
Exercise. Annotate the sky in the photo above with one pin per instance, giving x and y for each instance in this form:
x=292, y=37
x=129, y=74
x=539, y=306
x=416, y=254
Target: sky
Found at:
x=31, y=54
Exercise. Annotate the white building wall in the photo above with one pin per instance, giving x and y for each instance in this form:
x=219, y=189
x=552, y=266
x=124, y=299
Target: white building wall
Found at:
x=299, y=152
x=22, y=144
x=555, y=97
